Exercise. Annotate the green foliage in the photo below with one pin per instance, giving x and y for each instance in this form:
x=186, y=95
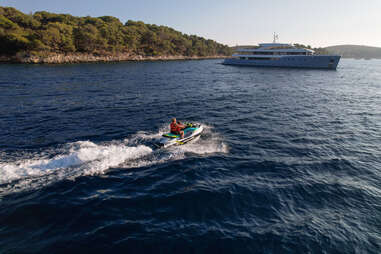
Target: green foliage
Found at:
x=19, y=18
x=7, y=24
x=46, y=17
x=89, y=39
x=12, y=43
x=50, y=32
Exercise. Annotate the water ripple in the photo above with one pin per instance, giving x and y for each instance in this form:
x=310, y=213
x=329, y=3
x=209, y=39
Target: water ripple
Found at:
x=289, y=161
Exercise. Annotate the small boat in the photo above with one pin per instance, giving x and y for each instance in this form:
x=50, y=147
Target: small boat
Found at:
x=191, y=132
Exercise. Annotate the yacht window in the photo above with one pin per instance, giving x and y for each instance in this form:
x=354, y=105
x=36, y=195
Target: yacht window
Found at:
x=259, y=58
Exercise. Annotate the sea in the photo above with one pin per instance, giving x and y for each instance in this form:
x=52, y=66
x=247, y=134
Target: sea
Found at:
x=289, y=160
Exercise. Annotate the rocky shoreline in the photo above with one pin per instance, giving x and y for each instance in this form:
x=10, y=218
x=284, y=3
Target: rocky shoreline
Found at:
x=60, y=58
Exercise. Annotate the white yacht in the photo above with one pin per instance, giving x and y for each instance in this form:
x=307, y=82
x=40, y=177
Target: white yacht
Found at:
x=281, y=55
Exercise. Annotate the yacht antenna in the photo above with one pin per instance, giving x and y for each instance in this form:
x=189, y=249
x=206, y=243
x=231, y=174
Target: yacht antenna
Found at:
x=275, y=38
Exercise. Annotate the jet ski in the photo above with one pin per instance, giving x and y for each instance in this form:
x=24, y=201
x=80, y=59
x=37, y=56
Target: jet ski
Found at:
x=191, y=132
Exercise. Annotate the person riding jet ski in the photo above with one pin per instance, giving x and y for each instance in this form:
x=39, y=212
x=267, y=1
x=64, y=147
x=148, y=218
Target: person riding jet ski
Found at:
x=177, y=128
x=179, y=134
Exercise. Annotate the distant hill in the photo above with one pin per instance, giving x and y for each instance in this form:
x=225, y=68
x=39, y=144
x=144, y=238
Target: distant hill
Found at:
x=355, y=51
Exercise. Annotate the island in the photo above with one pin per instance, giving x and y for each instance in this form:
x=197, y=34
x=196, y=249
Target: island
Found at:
x=44, y=37
x=356, y=51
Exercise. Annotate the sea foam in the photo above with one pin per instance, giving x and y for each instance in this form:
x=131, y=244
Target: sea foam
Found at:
x=83, y=158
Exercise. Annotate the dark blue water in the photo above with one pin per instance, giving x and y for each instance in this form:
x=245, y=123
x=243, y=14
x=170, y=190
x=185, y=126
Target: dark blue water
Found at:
x=289, y=162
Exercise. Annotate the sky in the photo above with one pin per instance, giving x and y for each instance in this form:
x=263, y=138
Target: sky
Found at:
x=238, y=22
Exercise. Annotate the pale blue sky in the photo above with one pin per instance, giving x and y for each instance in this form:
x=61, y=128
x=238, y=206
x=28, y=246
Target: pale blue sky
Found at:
x=318, y=23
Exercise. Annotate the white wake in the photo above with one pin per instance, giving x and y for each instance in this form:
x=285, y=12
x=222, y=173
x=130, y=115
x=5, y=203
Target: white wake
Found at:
x=87, y=158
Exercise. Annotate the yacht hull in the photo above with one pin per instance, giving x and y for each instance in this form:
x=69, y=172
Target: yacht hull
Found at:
x=308, y=61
